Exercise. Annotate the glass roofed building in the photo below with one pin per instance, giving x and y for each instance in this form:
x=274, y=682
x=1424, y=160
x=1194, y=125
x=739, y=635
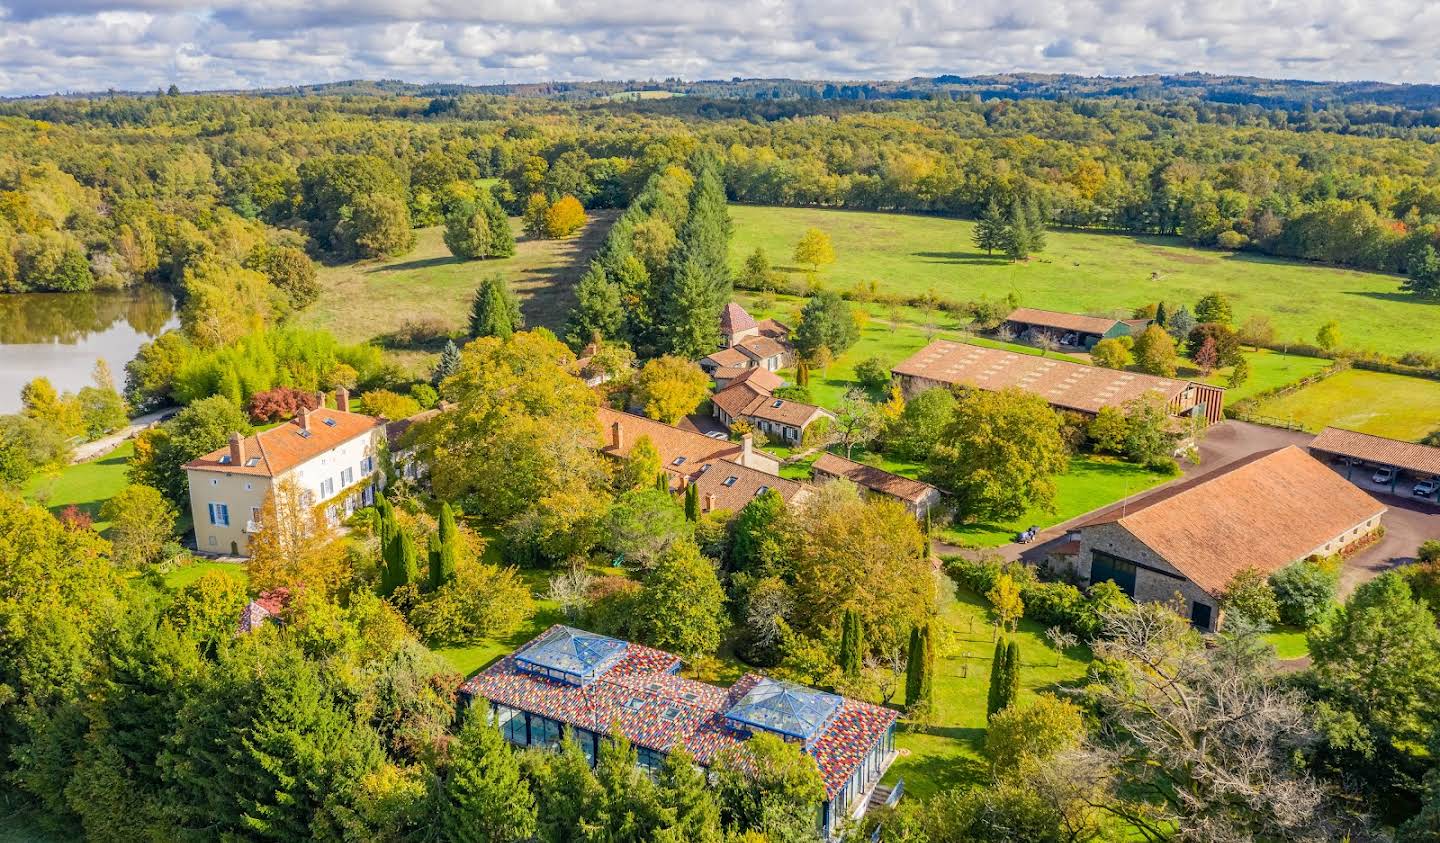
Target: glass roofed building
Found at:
x=571, y=682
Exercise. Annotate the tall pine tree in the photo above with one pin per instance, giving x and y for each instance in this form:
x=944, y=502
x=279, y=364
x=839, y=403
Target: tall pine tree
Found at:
x=852, y=644
x=442, y=564
x=484, y=799
x=1012, y=674
x=990, y=229
x=599, y=309
x=995, y=694
x=914, y=666
x=494, y=311
x=449, y=363
x=502, y=237
x=699, y=284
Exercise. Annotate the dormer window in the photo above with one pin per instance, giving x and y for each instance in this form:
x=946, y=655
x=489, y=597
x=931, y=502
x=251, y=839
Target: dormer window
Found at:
x=762, y=490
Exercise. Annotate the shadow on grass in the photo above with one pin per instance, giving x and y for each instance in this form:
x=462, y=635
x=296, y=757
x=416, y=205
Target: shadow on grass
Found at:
x=945, y=771
x=972, y=258
x=421, y=263
x=1406, y=298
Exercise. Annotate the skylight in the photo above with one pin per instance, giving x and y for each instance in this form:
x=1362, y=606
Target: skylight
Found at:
x=304, y=434
x=225, y=459
x=762, y=490
x=678, y=461
x=777, y=403
x=252, y=462
x=786, y=709
x=570, y=655
x=329, y=422
x=730, y=481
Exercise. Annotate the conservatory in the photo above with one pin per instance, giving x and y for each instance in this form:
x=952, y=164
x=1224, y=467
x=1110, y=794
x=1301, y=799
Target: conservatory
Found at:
x=571, y=683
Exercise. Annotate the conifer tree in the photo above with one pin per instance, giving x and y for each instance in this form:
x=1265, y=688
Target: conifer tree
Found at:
x=1012, y=674
x=692, y=502
x=449, y=363
x=598, y=309
x=442, y=564
x=990, y=229
x=467, y=232
x=802, y=374
x=699, y=282
x=402, y=566
x=686, y=793
x=914, y=666
x=662, y=482
x=484, y=798
x=432, y=562
x=997, y=680
x=1016, y=237
x=502, y=238
x=927, y=658
x=1160, y=315
x=495, y=311
x=570, y=794
x=852, y=644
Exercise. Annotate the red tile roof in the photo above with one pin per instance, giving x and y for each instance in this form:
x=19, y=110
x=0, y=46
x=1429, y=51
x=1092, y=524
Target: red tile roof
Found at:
x=1410, y=456
x=1264, y=512
x=279, y=449
x=1060, y=382
x=743, y=399
x=873, y=478
x=1061, y=321
x=762, y=378
x=659, y=710
x=734, y=319
x=672, y=442
x=728, y=357
x=733, y=494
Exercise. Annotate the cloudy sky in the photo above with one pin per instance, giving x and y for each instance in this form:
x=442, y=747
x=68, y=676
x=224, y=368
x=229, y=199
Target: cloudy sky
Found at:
x=87, y=45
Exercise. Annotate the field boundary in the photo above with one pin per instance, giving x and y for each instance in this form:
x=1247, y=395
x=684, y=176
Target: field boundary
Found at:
x=1243, y=410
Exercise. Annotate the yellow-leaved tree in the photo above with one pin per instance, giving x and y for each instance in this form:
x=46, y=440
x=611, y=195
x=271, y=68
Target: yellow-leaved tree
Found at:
x=295, y=547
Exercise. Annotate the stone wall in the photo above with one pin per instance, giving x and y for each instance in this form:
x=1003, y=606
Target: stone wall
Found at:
x=1150, y=585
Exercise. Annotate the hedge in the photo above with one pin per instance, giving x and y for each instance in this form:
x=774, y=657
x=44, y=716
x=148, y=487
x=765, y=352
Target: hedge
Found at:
x=1050, y=603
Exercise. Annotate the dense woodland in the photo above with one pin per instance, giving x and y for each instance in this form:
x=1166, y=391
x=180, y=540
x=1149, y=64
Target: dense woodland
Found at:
x=130, y=709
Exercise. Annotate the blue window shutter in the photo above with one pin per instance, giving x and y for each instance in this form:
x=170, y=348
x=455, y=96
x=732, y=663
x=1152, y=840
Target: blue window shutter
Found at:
x=212, y=513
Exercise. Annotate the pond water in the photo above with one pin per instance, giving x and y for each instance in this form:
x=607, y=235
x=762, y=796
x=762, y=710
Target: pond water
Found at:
x=61, y=335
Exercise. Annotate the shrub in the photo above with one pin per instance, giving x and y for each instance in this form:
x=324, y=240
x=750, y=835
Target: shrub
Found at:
x=873, y=374
x=282, y=402
x=1250, y=596
x=1304, y=592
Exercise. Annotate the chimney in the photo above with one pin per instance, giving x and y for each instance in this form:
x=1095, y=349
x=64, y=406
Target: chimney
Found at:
x=747, y=449
x=237, y=449
x=342, y=400
x=709, y=502
x=617, y=438
x=320, y=399
x=303, y=417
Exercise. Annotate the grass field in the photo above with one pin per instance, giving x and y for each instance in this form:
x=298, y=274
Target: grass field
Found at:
x=181, y=577
x=1094, y=273
x=371, y=299
x=1371, y=402
x=949, y=753
x=1268, y=370
x=87, y=485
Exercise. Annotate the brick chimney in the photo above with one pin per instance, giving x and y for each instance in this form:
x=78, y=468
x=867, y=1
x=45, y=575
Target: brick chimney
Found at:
x=342, y=400
x=747, y=449
x=237, y=449
x=320, y=399
x=709, y=502
x=617, y=436
x=303, y=417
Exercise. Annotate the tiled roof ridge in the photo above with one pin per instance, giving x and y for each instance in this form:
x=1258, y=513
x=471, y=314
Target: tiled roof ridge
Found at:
x=1193, y=484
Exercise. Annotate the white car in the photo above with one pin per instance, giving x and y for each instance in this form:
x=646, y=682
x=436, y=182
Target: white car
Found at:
x=1384, y=476
x=1426, y=488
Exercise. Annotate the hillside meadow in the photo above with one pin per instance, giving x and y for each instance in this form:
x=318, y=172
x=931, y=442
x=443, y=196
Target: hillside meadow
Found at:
x=1093, y=273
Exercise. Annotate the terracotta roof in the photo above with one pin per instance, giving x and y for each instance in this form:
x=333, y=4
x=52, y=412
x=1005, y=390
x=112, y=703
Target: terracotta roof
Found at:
x=1061, y=321
x=1062, y=383
x=693, y=449
x=745, y=400
x=774, y=328
x=398, y=428
x=761, y=378
x=659, y=710
x=1410, y=456
x=1265, y=512
x=279, y=449
x=735, y=485
x=270, y=604
x=734, y=318
x=760, y=348
x=873, y=478
x=728, y=357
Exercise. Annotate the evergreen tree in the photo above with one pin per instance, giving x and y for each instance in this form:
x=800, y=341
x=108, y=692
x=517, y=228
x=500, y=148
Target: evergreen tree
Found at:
x=502, y=237
x=467, y=232
x=699, y=282
x=569, y=792
x=495, y=312
x=914, y=666
x=802, y=374
x=599, y=309
x=662, y=482
x=449, y=363
x=484, y=799
x=1010, y=690
x=690, y=324
x=1017, y=237
x=995, y=695
x=692, y=502
x=1160, y=315
x=927, y=660
x=685, y=792
x=402, y=567
x=990, y=229
x=852, y=644
x=1180, y=324
x=442, y=564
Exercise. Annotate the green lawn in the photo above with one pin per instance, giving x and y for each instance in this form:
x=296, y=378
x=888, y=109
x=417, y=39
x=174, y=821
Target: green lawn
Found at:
x=948, y=753
x=1371, y=402
x=1268, y=370
x=362, y=301
x=181, y=577
x=87, y=485
x=1289, y=643
x=1094, y=273
x=1091, y=483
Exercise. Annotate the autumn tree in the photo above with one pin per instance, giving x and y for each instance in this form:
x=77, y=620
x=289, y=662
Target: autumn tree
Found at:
x=1214, y=307
x=295, y=546
x=1328, y=337
x=1036, y=733
x=564, y=217
x=999, y=454
x=537, y=211
x=1113, y=353
x=814, y=248
x=141, y=522
x=1155, y=352
x=682, y=606
x=670, y=388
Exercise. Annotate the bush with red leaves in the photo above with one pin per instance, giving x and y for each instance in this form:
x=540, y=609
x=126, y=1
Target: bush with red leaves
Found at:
x=75, y=518
x=282, y=402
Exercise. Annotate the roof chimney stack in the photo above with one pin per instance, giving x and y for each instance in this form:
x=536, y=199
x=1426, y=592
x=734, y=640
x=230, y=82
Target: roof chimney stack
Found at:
x=710, y=502
x=342, y=400
x=320, y=400
x=747, y=449
x=303, y=417
x=617, y=437
x=237, y=449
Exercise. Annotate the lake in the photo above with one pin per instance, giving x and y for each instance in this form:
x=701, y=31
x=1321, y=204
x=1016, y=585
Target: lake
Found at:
x=61, y=335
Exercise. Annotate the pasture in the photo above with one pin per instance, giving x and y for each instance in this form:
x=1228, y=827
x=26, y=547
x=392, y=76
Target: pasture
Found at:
x=1093, y=273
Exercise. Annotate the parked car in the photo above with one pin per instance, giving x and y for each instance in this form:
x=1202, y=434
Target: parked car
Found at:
x=1426, y=488
x=1384, y=476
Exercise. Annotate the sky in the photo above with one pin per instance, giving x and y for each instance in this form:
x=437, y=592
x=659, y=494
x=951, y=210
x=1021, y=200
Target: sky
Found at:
x=49, y=46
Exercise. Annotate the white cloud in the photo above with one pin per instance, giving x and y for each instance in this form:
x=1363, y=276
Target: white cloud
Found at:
x=83, y=45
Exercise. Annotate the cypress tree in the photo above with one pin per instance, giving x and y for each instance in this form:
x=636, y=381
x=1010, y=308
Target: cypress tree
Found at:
x=927, y=661
x=1012, y=673
x=442, y=563
x=403, y=567
x=662, y=482
x=494, y=311
x=484, y=796
x=1160, y=315
x=802, y=374
x=852, y=644
x=914, y=666
x=432, y=563
x=997, y=680
x=692, y=502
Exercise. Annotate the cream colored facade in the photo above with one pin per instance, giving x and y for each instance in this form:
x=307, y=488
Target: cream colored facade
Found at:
x=225, y=505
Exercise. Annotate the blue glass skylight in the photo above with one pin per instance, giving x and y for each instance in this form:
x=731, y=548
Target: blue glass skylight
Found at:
x=570, y=655
x=785, y=708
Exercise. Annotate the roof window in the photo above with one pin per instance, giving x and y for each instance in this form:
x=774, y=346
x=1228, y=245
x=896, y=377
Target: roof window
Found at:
x=777, y=403
x=762, y=490
x=252, y=462
x=729, y=481
x=678, y=461
x=304, y=434
x=329, y=422
x=225, y=459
